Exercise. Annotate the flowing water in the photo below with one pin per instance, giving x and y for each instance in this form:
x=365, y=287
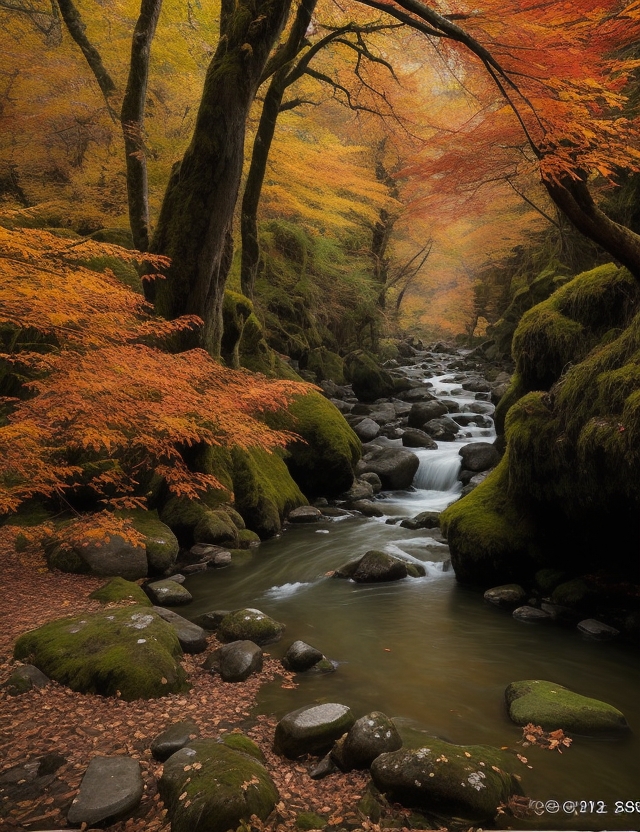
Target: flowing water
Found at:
x=431, y=653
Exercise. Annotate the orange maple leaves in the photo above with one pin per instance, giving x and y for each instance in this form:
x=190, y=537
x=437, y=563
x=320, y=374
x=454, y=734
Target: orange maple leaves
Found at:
x=104, y=406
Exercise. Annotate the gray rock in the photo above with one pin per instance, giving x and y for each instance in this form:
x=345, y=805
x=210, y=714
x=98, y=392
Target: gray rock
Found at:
x=192, y=638
x=485, y=408
x=370, y=736
x=479, y=456
x=462, y=781
x=111, y=787
x=396, y=467
x=252, y=625
x=366, y=429
x=236, y=661
x=366, y=508
x=312, y=729
x=168, y=592
x=414, y=438
x=508, y=596
x=474, y=482
x=597, y=629
x=563, y=615
x=531, y=615
x=304, y=514
x=360, y=490
x=25, y=678
x=172, y=739
x=374, y=567
x=477, y=386
x=444, y=428
x=416, y=394
x=117, y=558
x=301, y=656
x=424, y=520
x=422, y=412
x=373, y=480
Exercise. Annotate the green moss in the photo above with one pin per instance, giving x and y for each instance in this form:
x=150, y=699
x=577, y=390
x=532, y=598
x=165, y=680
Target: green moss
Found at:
x=309, y=820
x=118, y=590
x=228, y=787
x=116, y=236
x=236, y=309
x=239, y=742
x=247, y=538
x=325, y=364
x=65, y=559
x=491, y=538
x=322, y=465
x=553, y=706
x=250, y=624
x=130, y=650
x=160, y=542
x=125, y=272
x=369, y=381
x=216, y=527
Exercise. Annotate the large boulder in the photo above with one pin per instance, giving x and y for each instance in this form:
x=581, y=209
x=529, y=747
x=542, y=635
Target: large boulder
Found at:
x=368, y=380
x=479, y=456
x=160, y=542
x=209, y=787
x=111, y=787
x=120, y=591
x=423, y=412
x=468, y=782
x=113, y=557
x=396, y=467
x=130, y=652
x=312, y=729
x=415, y=438
x=444, y=428
x=251, y=625
x=554, y=706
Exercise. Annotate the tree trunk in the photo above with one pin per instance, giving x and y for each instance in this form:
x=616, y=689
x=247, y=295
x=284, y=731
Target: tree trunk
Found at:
x=261, y=147
x=573, y=198
x=132, y=121
x=196, y=218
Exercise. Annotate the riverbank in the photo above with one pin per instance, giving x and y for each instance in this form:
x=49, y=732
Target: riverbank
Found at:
x=70, y=729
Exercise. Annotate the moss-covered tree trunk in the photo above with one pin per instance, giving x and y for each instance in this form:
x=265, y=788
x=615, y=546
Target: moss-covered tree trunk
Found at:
x=194, y=227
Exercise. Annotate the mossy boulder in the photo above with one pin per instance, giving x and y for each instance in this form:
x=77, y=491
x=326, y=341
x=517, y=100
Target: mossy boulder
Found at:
x=128, y=651
x=119, y=591
x=184, y=515
x=93, y=555
x=553, y=706
x=325, y=364
x=250, y=625
x=216, y=527
x=468, y=782
x=222, y=787
x=161, y=544
x=369, y=380
x=240, y=742
x=236, y=309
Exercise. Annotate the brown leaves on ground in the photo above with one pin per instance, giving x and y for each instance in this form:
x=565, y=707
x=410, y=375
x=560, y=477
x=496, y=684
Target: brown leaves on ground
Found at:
x=552, y=740
x=80, y=727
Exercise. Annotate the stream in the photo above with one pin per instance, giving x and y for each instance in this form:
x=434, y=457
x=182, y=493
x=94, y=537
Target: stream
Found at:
x=431, y=653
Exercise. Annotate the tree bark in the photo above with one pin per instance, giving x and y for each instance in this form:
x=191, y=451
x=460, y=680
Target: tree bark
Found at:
x=132, y=122
x=261, y=147
x=76, y=28
x=573, y=198
x=197, y=212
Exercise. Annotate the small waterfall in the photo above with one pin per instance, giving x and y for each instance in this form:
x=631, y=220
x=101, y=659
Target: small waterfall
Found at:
x=438, y=470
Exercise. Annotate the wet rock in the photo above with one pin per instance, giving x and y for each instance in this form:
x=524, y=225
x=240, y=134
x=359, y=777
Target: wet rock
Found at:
x=374, y=567
x=25, y=678
x=415, y=438
x=301, y=656
x=479, y=456
x=443, y=428
x=477, y=386
x=554, y=706
x=373, y=480
x=395, y=467
x=192, y=638
x=304, y=514
x=168, y=592
x=424, y=520
x=422, y=412
x=370, y=736
x=172, y=739
x=312, y=729
x=416, y=394
x=366, y=429
x=507, y=596
x=236, y=661
x=560, y=614
x=251, y=625
x=597, y=629
x=468, y=782
x=360, y=490
x=211, y=620
x=366, y=507
x=225, y=789
x=531, y=615
x=110, y=788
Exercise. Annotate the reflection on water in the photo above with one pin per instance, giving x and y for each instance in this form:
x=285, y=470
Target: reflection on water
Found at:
x=433, y=654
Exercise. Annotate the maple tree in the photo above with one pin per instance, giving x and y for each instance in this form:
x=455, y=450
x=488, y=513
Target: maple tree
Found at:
x=103, y=389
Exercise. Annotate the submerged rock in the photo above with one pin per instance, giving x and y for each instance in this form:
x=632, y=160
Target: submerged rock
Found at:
x=554, y=706
x=374, y=567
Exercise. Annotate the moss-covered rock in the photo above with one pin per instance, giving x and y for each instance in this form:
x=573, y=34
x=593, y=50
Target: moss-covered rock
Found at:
x=119, y=591
x=240, y=742
x=183, y=514
x=221, y=786
x=325, y=364
x=251, y=625
x=322, y=464
x=129, y=650
x=160, y=542
x=369, y=380
x=216, y=527
x=464, y=781
x=553, y=706
x=309, y=820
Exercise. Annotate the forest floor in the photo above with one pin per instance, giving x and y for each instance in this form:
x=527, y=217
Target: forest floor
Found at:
x=57, y=720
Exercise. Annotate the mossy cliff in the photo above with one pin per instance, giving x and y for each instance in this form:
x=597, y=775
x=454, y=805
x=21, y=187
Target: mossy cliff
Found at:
x=567, y=490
